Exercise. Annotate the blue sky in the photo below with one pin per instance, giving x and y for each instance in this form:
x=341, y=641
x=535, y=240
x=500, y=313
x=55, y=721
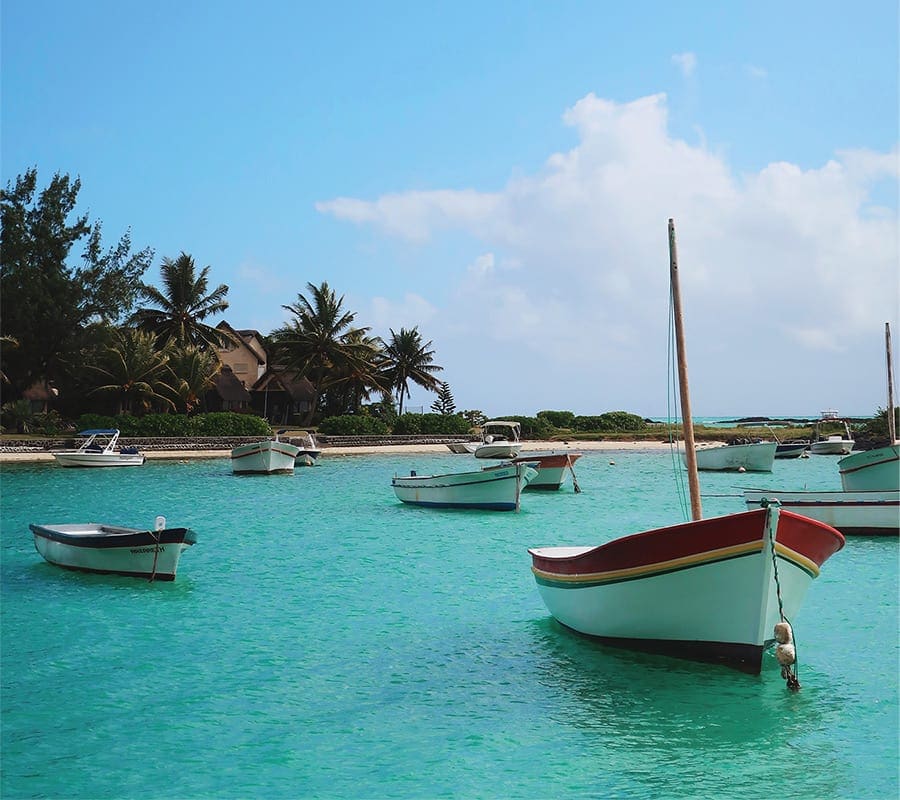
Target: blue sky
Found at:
x=500, y=174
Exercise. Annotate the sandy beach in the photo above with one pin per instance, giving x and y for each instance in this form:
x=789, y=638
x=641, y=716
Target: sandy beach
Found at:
x=330, y=452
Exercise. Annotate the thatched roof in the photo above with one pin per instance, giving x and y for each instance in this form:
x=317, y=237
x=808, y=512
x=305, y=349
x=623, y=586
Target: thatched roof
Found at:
x=299, y=388
x=230, y=388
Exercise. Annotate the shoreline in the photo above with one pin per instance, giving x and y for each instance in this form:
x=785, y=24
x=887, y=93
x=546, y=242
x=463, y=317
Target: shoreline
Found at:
x=529, y=446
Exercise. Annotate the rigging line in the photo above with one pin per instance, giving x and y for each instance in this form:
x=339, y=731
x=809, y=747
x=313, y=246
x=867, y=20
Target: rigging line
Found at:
x=672, y=407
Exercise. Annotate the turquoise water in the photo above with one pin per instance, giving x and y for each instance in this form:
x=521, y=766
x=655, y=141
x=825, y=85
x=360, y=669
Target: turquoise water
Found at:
x=324, y=640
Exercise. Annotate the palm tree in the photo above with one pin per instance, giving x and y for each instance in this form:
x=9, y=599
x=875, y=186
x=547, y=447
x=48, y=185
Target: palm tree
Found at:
x=136, y=371
x=182, y=306
x=357, y=379
x=12, y=342
x=408, y=359
x=320, y=341
x=193, y=375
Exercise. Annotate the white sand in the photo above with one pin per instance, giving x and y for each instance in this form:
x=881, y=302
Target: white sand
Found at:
x=574, y=446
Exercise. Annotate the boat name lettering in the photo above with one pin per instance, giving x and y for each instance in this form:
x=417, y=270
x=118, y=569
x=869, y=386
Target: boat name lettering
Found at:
x=162, y=549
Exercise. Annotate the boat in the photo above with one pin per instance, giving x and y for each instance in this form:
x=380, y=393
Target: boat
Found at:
x=99, y=450
x=264, y=458
x=461, y=448
x=496, y=488
x=552, y=467
x=112, y=549
x=499, y=439
x=878, y=468
x=834, y=444
x=791, y=448
x=720, y=589
x=865, y=513
x=309, y=450
x=737, y=457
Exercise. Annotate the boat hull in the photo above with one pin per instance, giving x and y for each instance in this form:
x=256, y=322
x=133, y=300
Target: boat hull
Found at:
x=500, y=450
x=874, y=513
x=831, y=447
x=107, y=549
x=871, y=470
x=704, y=590
x=76, y=458
x=493, y=488
x=306, y=458
x=791, y=450
x=756, y=457
x=264, y=458
x=552, y=469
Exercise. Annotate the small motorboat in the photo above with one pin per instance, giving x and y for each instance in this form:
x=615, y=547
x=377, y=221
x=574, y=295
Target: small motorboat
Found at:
x=309, y=450
x=831, y=444
x=496, y=488
x=739, y=456
x=112, y=549
x=499, y=439
x=264, y=458
x=99, y=450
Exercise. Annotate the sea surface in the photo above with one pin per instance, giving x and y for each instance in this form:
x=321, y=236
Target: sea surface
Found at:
x=322, y=640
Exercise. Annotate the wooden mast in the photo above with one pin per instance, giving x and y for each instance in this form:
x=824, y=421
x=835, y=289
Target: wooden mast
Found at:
x=688, y=420
x=892, y=432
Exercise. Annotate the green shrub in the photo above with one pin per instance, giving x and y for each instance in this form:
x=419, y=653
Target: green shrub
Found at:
x=353, y=425
x=532, y=427
x=612, y=421
x=229, y=423
x=127, y=424
x=558, y=419
x=432, y=424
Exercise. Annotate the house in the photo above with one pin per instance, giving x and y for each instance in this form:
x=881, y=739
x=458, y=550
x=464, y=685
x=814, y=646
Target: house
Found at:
x=280, y=396
x=246, y=356
x=229, y=393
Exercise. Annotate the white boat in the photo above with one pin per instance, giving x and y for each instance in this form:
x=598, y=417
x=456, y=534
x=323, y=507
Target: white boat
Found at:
x=499, y=439
x=871, y=469
x=791, y=449
x=99, y=450
x=834, y=444
x=870, y=513
x=552, y=467
x=719, y=589
x=461, y=448
x=112, y=549
x=264, y=458
x=496, y=488
x=878, y=468
x=752, y=457
x=309, y=450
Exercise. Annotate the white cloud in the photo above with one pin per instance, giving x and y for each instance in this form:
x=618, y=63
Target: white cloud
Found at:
x=411, y=312
x=758, y=73
x=686, y=62
x=783, y=270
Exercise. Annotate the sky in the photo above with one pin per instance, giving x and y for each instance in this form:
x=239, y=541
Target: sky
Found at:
x=500, y=176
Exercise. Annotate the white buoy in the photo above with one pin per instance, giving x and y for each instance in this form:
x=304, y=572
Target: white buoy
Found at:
x=741, y=469
x=785, y=654
x=160, y=523
x=783, y=633
x=612, y=463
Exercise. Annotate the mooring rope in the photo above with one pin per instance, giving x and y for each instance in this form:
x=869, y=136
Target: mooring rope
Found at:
x=572, y=470
x=786, y=651
x=156, y=538
x=672, y=412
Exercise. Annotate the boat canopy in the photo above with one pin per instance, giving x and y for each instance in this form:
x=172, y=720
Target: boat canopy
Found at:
x=99, y=432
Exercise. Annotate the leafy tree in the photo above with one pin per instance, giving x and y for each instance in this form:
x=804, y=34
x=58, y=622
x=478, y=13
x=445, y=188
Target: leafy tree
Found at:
x=193, y=375
x=558, y=419
x=474, y=417
x=445, y=404
x=136, y=372
x=182, y=305
x=409, y=359
x=47, y=303
x=353, y=381
x=321, y=342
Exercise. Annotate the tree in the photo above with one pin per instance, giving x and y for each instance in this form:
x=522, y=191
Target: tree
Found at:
x=445, y=404
x=182, y=305
x=321, y=342
x=193, y=375
x=408, y=359
x=136, y=372
x=47, y=303
x=355, y=380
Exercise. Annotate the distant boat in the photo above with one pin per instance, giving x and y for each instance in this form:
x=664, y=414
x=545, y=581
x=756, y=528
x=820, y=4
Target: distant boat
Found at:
x=552, y=467
x=878, y=468
x=264, y=458
x=461, y=448
x=495, y=488
x=835, y=444
x=99, y=450
x=499, y=439
x=719, y=589
x=791, y=449
x=742, y=457
x=112, y=549
x=309, y=451
x=868, y=513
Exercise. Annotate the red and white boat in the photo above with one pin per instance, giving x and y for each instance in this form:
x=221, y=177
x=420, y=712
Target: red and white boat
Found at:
x=709, y=589
x=552, y=467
